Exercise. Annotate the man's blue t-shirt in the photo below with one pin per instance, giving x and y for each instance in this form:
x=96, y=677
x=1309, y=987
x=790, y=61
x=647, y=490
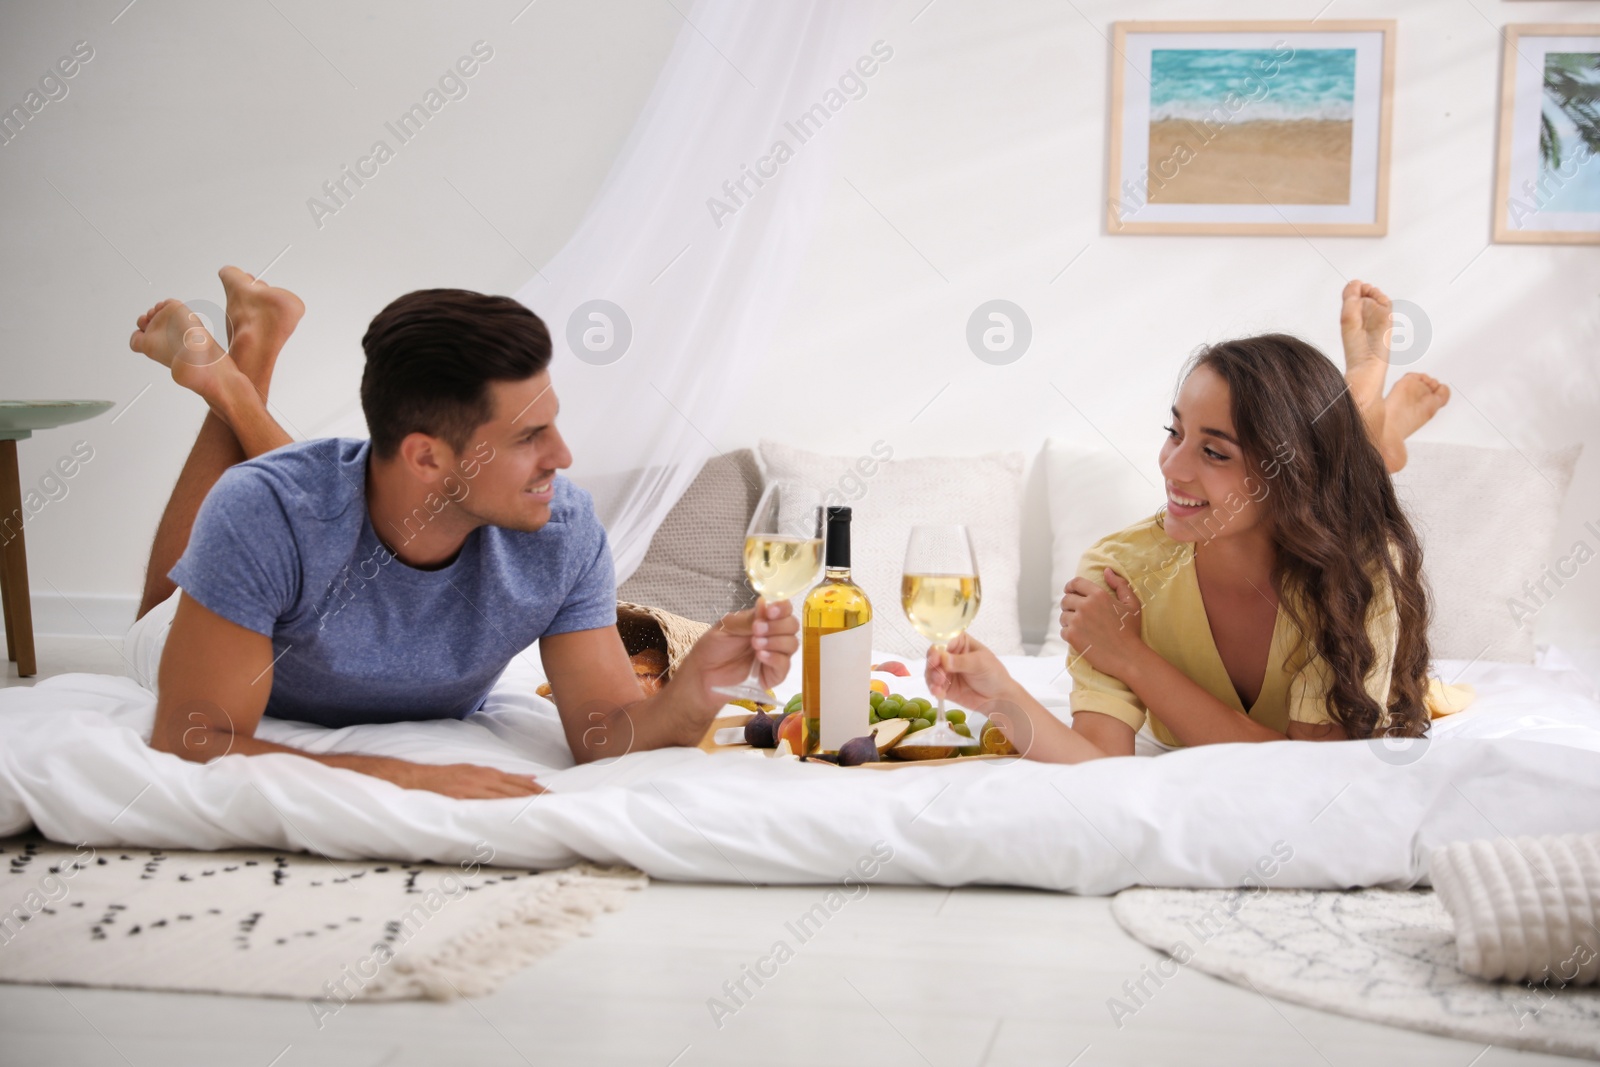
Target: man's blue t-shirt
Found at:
x=283, y=545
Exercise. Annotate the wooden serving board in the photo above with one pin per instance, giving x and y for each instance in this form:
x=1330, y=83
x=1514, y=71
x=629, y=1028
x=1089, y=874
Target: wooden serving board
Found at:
x=727, y=720
x=897, y=764
x=738, y=717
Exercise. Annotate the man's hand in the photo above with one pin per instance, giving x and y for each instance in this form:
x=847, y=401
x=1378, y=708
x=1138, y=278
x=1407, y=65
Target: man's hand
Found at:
x=605, y=716
x=766, y=635
x=464, y=781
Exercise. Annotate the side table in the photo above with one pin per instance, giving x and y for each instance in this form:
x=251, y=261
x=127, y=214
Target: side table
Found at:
x=18, y=420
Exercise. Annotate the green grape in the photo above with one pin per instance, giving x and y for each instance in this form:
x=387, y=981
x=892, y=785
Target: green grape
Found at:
x=961, y=728
x=919, y=724
x=955, y=715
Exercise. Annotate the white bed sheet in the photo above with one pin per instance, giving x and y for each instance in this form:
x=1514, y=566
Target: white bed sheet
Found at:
x=1525, y=759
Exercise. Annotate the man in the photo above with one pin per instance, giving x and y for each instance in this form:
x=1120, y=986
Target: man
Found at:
x=341, y=581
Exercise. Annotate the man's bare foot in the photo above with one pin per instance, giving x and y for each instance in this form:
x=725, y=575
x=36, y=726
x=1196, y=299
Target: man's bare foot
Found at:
x=175, y=337
x=1414, y=400
x=260, y=319
x=1365, y=321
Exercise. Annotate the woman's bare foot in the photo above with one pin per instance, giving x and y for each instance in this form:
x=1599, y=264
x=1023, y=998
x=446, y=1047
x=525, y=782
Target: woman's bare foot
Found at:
x=1414, y=400
x=174, y=337
x=1365, y=321
x=260, y=319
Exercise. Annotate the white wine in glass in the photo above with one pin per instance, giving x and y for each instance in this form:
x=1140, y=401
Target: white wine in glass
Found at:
x=781, y=568
x=940, y=592
x=940, y=606
x=782, y=557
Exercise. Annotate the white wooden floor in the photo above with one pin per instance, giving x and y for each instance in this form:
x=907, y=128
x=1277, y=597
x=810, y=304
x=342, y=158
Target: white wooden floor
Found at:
x=901, y=976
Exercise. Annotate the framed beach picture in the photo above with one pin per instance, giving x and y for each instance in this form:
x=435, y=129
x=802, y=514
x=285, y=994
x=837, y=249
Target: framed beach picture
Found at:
x=1251, y=127
x=1547, y=183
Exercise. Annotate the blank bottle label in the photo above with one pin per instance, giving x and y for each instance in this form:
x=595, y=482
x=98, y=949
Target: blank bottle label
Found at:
x=844, y=659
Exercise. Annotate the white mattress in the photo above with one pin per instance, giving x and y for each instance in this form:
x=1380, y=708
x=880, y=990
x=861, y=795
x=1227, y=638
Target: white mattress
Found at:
x=1524, y=760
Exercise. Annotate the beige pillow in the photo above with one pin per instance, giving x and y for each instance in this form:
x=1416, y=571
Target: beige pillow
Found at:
x=889, y=496
x=1487, y=519
x=695, y=564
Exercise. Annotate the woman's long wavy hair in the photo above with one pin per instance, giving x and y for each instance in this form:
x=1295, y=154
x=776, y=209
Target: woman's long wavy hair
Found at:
x=1335, y=522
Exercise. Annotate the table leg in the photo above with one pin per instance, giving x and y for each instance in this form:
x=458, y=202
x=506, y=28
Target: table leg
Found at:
x=5, y=595
x=14, y=566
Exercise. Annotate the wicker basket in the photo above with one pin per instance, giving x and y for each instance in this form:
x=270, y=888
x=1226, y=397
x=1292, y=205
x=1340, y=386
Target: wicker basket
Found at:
x=645, y=627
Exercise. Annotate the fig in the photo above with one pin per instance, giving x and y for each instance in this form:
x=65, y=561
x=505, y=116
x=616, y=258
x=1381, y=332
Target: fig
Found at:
x=761, y=731
x=858, y=750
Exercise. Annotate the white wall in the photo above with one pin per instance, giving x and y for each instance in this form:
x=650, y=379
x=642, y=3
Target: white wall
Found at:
x=198, y=131
x=194, y=138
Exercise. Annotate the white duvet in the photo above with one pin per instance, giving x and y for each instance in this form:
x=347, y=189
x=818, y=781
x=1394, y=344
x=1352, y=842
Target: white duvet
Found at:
x=1524, y=760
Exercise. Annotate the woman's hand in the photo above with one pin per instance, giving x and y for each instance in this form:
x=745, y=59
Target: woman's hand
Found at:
x=968, y=673
x=1104, y=628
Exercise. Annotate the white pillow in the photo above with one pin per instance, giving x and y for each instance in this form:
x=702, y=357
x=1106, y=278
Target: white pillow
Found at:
x=1093, y=492
x=1487, y=519
x=888, y=497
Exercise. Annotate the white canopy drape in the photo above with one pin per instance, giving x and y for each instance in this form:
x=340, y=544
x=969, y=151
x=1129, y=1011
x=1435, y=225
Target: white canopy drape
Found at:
x=667, y=294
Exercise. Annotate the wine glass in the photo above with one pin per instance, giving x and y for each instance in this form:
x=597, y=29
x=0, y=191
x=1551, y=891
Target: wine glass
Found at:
x=940, y=593
x=782, y=556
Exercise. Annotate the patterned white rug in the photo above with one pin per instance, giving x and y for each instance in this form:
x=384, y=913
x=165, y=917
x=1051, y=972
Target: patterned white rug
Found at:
x=284, y=924
x=1384, y=955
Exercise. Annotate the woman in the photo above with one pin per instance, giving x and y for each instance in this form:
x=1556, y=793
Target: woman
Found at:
x=1277, y=595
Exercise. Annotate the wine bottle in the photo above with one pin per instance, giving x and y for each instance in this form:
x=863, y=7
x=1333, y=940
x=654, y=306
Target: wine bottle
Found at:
x=836, y=638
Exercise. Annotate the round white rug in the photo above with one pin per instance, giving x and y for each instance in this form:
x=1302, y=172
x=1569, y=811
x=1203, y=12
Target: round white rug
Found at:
x=1384, y=955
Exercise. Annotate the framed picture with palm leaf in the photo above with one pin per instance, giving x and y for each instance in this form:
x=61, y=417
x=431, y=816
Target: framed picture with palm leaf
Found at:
x=1547, y=185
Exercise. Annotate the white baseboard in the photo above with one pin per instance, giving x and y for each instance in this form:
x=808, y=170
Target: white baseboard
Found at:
x=82, y=614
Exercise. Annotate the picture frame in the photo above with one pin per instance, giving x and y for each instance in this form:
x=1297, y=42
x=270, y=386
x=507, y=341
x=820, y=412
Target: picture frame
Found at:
x=1547, y=171
x=1310, y=156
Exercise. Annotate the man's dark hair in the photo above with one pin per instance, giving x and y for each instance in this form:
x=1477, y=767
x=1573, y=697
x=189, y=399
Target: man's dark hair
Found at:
x=431, y=355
